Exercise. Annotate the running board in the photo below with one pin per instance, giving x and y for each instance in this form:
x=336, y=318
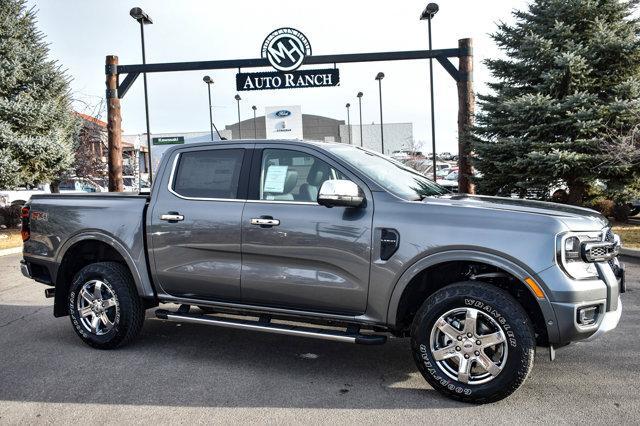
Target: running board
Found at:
x=267, y=326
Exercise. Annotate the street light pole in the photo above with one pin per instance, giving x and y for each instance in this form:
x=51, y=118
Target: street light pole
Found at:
x=360, y=109
x=428, y=13
x=379, y=77
x=348, y=122
x=209, y=82
x=238, y=98
x=255, y=126
x=144, y=19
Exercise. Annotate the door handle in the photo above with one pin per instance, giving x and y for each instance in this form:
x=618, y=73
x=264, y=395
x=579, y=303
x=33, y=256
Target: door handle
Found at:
x=172, y=217
x=262, y=221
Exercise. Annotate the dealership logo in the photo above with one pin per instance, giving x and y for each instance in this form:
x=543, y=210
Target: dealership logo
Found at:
x=285, y=49
x=283, y=113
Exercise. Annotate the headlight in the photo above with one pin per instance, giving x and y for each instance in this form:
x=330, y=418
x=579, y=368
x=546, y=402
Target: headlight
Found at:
x=570, y=258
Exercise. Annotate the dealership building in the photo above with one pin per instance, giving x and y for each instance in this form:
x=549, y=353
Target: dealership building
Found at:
x=288, y=122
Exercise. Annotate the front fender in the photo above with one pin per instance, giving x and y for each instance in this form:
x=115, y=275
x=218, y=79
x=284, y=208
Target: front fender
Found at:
x=510, y=266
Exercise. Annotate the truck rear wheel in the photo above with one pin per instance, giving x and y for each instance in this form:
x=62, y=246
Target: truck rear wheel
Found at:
x=104, y=307
x=473, y=342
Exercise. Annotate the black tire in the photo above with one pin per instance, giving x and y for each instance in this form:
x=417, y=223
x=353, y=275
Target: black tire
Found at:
x=128, y=312
x=508, y=315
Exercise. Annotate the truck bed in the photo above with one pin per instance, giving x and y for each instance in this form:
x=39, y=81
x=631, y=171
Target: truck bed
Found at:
x=60, y=221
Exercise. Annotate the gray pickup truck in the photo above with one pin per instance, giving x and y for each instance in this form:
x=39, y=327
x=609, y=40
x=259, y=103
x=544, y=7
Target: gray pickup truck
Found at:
x=334, y=242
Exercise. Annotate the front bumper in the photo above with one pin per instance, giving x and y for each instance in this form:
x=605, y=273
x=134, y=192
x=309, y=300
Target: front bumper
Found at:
x=570, y=296
x=609, y=322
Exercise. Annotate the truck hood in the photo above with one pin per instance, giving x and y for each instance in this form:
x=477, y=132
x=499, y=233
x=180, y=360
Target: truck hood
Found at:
x=575, y=218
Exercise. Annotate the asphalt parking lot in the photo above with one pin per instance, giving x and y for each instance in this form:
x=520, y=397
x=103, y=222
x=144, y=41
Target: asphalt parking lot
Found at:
x=181, y=373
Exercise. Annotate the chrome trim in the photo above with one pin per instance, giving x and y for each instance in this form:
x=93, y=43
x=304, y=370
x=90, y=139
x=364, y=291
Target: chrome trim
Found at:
x=172, y=217
x=559, y=250
x=263, y=328
x=589, y=249
x=310, y=203
x=265, y=222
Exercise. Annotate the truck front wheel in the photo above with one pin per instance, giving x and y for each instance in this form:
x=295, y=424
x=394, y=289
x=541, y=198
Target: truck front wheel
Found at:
x=104, y=307
x=473, y=342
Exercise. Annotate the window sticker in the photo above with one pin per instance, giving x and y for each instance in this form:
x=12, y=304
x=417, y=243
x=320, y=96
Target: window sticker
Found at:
x=274, y=181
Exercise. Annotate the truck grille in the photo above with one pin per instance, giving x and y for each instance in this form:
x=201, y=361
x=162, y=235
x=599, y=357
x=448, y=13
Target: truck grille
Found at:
x=610, y=238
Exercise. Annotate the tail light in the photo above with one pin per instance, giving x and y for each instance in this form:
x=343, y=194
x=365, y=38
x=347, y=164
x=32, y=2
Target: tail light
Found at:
x=24, y=217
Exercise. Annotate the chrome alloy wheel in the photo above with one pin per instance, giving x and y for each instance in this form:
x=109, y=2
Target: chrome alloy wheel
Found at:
x=97, y=307
x=469, y=346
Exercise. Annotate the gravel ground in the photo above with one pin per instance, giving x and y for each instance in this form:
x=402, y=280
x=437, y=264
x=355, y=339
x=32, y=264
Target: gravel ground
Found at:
x=185, y=373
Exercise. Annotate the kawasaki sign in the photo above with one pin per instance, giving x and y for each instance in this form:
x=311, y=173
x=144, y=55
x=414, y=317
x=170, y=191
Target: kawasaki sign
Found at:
x=286, y=49
x=168, y=140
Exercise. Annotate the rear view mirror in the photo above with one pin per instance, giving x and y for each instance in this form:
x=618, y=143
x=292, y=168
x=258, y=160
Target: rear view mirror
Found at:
x=340, y=193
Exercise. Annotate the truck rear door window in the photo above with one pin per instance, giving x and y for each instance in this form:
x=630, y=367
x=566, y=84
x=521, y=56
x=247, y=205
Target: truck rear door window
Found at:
x=208, y=174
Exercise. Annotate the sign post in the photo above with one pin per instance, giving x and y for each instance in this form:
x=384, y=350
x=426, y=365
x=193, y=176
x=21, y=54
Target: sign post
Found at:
x=466, y=112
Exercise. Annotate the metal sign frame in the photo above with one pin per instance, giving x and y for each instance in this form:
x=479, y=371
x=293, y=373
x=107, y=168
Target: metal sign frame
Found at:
x=463, y=75
x=132, y=72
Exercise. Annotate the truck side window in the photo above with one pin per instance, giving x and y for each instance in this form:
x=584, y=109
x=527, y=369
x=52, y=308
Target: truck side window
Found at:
x=288, y=175
x=208, y=174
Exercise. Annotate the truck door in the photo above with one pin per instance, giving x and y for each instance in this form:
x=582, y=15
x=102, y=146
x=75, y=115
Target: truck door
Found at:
x=296, y=253
x=194, y=224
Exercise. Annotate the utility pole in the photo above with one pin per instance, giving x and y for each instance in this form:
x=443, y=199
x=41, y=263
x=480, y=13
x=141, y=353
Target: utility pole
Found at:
x=114, y=126
x=360, y=108
x=238, y=99
x=379, y=77
x=255, y=126
x=466, y=112
x=348, y=122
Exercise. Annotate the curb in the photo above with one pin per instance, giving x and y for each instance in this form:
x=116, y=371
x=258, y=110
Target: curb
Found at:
x=630, y=252
x=14, y=250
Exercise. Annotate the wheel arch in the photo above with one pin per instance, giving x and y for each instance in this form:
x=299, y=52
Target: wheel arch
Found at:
x=87, y=248
x=415, y=280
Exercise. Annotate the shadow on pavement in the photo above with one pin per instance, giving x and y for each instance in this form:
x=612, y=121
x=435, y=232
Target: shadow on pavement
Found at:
x=202, y=366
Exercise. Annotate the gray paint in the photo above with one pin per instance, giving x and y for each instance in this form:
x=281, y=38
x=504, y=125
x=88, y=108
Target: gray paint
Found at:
x=322, y=263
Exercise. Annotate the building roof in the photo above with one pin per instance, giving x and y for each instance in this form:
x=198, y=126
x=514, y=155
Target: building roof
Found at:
x=91, y=119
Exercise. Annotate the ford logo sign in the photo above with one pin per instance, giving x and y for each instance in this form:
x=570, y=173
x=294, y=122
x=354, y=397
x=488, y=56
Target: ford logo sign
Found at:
x=283, y=113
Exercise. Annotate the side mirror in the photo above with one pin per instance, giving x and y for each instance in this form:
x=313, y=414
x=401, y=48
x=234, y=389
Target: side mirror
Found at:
x=340, y=193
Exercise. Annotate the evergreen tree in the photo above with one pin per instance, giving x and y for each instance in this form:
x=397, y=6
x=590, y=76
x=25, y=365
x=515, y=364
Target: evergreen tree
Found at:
x=36, y=123
x=566, y=91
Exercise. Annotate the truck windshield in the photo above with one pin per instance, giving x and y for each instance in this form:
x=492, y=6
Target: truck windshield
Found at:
x=396, y=178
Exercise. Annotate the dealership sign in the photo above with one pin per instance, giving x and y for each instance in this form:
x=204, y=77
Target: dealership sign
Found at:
x=286, y=49
x=168, y=140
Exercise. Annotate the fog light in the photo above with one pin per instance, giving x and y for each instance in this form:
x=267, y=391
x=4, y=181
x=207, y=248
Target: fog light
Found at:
x=587, y=315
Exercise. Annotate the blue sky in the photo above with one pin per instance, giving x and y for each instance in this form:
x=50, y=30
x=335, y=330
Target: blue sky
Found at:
x=82, y=33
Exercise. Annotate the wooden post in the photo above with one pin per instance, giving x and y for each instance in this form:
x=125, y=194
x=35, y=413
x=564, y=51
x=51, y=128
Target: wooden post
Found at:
x=466, y=112
x=114, y=126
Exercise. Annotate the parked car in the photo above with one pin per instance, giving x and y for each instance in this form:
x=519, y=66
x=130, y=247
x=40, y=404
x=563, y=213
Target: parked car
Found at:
x=20, y=196
x=79, y=185
x=73, y=185
x=330, y=234
x=450, y=181
x=404, y=155
x=425, y=167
